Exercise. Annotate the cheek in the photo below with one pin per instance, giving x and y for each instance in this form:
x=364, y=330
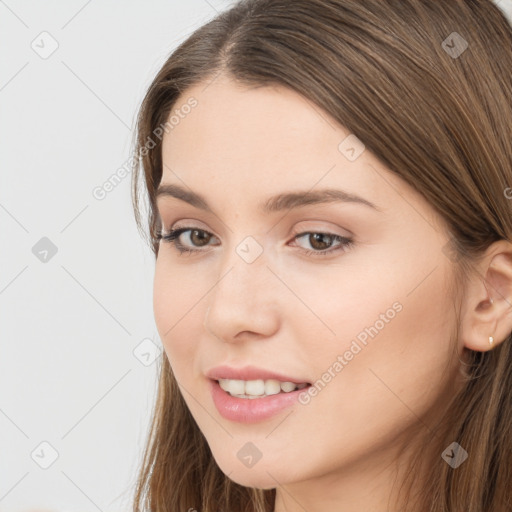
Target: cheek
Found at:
x=176, y=310
x=406, y=361
x=393, y=325
x=398, y=374
x=164, y=303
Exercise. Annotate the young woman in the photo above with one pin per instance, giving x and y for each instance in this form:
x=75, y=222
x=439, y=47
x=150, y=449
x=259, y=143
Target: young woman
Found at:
x=330, y=207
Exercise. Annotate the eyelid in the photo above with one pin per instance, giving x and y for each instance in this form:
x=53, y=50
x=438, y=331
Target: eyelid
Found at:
x=188, y=223
x=195, y=224
x=334, y=230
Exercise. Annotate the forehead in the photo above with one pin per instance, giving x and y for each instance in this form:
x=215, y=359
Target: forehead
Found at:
x=264, y=132
x=241, y=122
x=258, y=141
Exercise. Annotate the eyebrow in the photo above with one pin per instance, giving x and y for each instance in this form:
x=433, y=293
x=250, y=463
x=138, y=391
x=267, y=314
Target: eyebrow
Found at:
x=283, y=201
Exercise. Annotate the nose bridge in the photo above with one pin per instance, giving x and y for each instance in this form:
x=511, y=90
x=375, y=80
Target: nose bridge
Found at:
x=244, y=271
x=242, y=298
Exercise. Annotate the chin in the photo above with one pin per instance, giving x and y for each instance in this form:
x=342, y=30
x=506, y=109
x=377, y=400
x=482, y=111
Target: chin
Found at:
x=257, y=480
x=264, y=474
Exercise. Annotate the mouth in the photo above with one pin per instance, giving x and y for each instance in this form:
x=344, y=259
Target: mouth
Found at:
x=259, y=388
x=254, y=400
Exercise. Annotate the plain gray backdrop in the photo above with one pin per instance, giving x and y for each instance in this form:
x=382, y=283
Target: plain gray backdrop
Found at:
x=78, y=339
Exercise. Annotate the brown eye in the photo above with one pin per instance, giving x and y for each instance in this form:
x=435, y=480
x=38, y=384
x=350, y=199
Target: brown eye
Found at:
x=324, y=244
x=186, y=240
x=199, y=237
x=320, y=241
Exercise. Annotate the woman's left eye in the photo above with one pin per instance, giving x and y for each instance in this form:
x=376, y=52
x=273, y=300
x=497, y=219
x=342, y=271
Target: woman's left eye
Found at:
x=319, y=238
x=200, y=237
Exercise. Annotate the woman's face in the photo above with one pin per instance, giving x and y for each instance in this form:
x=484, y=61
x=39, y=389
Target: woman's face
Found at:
x=366, y=323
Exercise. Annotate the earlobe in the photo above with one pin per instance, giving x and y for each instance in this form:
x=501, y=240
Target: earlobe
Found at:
x=487, y=306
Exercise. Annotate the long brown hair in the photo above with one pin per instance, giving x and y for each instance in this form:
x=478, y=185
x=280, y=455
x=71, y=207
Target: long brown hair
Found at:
x=438, y=113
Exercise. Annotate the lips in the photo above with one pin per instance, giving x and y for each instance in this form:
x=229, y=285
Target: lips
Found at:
x=246, y=411
x=251, y=373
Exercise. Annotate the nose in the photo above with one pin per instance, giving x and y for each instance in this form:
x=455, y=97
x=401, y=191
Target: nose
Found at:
x=244, y=302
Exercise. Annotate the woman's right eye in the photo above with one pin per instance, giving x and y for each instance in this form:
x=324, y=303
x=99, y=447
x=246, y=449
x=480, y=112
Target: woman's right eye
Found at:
x=173, y=237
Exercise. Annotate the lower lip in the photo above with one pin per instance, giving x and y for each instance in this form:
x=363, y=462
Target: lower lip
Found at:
x=251, y=410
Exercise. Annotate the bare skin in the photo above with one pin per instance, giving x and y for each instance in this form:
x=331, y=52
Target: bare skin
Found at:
x=295, y=313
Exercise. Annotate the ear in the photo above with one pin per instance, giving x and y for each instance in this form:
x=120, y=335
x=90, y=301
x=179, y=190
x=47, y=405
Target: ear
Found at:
x=487, y=304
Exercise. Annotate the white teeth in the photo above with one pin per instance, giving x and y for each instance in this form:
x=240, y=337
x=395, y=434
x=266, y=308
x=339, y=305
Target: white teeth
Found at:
x=254, y=387
x=287, y=386
x=236, y=386
x=257, y=388
x=272, y=387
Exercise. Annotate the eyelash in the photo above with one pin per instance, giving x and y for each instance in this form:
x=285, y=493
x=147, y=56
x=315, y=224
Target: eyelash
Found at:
x=174, y=234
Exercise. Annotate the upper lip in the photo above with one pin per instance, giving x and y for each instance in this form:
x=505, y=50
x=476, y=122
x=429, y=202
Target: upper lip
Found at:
x=249, y=373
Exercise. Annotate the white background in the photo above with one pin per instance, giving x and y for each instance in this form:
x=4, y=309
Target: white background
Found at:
x=68, y=375
x=69, y=325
